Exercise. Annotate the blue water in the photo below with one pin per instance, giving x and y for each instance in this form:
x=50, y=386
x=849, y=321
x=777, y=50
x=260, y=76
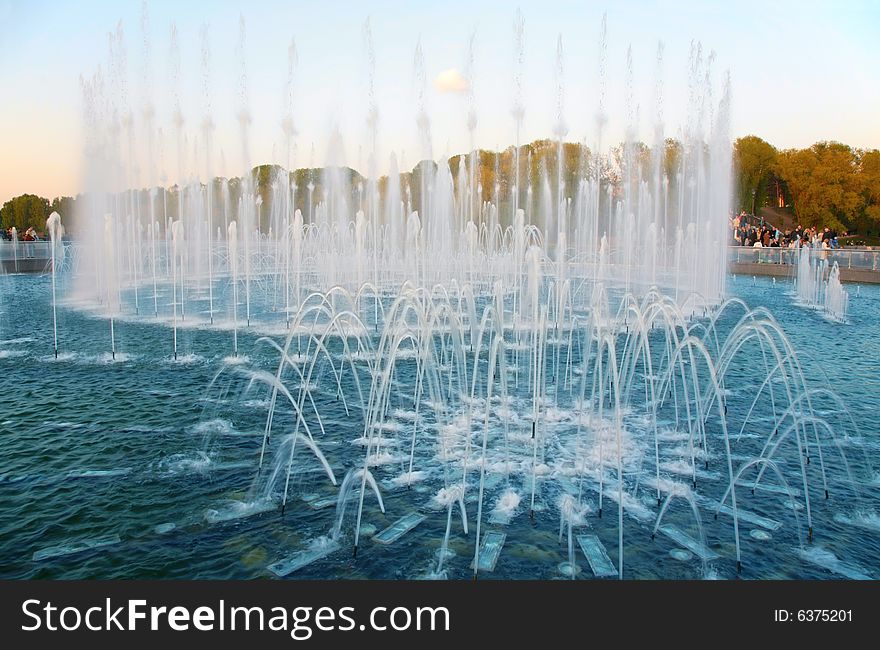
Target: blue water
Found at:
x=132, y=468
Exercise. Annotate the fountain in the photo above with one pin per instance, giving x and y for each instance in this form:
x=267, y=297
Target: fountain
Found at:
x=810, y=271
x=53, y=226
x=818, y=285
x=499, y=335
x=836, y=297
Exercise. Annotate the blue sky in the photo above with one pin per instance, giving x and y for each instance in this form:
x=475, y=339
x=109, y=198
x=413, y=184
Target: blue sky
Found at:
x=800, y=71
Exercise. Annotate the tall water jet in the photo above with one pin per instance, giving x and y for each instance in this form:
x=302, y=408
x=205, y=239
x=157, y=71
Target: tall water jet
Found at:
x=154, y=238
x=426, y=163
x=292, y=231
x=53, y=225
x=810, y=272
x=560, y=129
x=14, y=234
x=394, y=210
x=232, y=248
x=601, y=119
x=836, y=297
x=176, y=254
x=474, y=197
x=112, y=288
x=207, y=134
x=249, y=206
x=517, y=110
x=148, y=108
x=372, y=203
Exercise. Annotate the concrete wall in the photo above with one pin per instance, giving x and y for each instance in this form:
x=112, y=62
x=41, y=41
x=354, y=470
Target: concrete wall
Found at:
x=26, y=265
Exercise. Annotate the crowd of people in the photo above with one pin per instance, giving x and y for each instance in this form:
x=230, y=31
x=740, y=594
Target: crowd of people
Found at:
x=750, y=231
x=29, y=235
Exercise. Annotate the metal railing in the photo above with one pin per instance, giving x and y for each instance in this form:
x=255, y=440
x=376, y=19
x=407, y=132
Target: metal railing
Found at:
x=846, y=258
x=12, y=250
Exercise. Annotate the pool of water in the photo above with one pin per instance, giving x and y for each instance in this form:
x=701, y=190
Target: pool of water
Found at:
x=146, y=466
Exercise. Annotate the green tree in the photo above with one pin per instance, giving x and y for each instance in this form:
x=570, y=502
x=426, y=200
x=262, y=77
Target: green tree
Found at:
x=25, y=211
x=754, y=161
x=824, y=184
x=869, y=179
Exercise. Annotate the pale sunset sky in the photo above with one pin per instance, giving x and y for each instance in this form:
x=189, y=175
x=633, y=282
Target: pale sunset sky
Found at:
x=800, y=72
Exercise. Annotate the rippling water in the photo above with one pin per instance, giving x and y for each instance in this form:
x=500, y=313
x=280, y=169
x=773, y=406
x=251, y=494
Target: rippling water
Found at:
x=142, y=466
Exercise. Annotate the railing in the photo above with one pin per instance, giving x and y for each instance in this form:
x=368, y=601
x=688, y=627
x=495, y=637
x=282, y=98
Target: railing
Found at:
x=12, y=250
x=846, y=258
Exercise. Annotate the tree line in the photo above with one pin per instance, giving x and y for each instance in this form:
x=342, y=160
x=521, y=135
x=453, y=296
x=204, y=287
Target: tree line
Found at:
x=828, y=184
x=29, y=210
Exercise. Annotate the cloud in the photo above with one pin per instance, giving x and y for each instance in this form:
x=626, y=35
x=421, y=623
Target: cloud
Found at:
x=451, y=81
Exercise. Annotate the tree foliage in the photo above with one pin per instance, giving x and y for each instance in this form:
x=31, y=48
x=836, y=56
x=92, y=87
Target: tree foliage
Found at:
x=25, y=211
x=828, y=184
x=870, y=182
x=825, y=184
x=754, y=161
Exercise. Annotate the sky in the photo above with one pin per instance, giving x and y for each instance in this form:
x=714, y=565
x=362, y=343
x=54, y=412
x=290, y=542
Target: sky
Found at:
x=800, y=72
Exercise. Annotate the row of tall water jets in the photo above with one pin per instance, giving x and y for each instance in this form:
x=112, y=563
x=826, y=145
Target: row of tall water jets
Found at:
x=663, y=221
x=172, y=280
x=273, y=274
